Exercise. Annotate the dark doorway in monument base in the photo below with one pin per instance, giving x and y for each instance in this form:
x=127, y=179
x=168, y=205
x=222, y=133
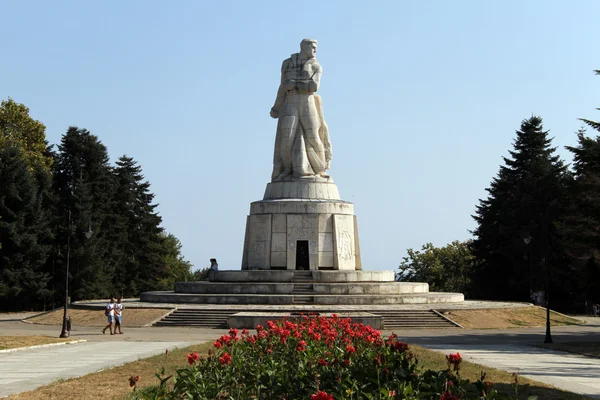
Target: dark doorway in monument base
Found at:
x=302, y=261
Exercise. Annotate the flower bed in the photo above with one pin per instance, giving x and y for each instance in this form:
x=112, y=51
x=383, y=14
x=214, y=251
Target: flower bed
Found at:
x=315, y=358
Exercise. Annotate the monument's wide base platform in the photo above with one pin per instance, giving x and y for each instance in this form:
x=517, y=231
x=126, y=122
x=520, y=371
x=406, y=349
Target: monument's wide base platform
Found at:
x=302, y=287
x=323, y=299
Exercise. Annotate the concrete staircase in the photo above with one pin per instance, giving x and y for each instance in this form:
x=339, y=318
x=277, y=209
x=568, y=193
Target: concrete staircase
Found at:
x=303, y=287
x=197, y=318
x=392, y=319
x=415, y=319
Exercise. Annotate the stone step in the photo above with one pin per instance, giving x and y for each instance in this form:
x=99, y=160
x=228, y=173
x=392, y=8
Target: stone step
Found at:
x=401, y=319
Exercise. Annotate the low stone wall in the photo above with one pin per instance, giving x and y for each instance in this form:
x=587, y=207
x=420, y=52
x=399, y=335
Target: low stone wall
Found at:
x=250, y=320
x=278, y=299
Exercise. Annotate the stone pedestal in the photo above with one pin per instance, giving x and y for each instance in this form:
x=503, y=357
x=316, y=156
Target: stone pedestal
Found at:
x=301, y=224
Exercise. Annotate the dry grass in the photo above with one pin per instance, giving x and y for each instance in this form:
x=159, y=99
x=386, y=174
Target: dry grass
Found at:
x=96, y=317
x=503, y=318
x=590, y=349
x=113, y=383
x=14, y=342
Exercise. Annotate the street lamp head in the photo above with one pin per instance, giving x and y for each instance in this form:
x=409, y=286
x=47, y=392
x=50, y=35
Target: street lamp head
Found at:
x=527, y=239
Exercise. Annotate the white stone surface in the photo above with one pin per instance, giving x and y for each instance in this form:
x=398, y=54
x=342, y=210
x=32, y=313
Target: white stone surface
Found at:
x=301, y=189
x=325, y=223
x=279, y=242
x=302, y=227
x=326, y=259
x=279, y=223
x=259, y=245
x=278, y=258
x=343, y=227
x=326, y=242
x=299, y=206
x=302, y=145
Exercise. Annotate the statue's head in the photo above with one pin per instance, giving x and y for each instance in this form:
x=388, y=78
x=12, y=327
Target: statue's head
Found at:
x=308, y=47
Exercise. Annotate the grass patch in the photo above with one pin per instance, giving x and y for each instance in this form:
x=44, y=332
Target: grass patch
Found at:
x=590, y=349
x=14, y=342
x=96, y=317
x=503, y=318
x=113, y=383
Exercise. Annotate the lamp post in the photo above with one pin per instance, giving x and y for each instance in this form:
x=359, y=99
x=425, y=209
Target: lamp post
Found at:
x=65, y=332
x=548, y=338
x=527, y=240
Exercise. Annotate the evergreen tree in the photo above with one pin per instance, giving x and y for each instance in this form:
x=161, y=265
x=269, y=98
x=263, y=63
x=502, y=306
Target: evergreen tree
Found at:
x=581, y=222
x=24, y=231
x=141, y=252
x=84, y=189
x=523, y=205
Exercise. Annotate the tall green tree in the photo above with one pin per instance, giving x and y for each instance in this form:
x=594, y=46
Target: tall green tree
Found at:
x=516, y=239
x=445, y=269
x=84, y=189
x=24, y=231
x=142, y=250
x=18, y=128
x=581, y=222
x=177, y=267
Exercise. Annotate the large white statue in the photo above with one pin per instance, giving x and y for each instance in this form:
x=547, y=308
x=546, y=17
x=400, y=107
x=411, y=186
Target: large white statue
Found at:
x=302, y=146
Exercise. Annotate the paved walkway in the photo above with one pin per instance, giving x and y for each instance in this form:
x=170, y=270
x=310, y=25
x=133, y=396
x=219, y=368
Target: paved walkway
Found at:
x=514, y=350
x=570, y=372
x=26, y=370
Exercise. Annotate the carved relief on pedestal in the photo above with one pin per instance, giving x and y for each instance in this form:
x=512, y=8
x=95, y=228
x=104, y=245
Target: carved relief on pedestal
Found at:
x=260, y=242
x=343, y=227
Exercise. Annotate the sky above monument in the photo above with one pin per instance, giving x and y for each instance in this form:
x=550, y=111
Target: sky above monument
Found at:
x=422, y=100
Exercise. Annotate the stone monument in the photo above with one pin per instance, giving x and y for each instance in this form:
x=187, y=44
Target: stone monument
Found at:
x=301, y=244
x=301, y=223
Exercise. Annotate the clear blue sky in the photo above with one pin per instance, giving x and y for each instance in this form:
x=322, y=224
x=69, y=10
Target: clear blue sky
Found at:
x=421, y=98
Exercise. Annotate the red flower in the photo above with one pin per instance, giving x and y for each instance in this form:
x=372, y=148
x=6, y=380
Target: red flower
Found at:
x=192, y=358
x=350, y=349
x=225, y=359
x=133, y=379
x=347, y=362
x=323, y=362
x=392, y=393
x=321, y=396
x=401, y=347
x=454, y=358
x=301, y=345
x=448, y=396
x=217, y=344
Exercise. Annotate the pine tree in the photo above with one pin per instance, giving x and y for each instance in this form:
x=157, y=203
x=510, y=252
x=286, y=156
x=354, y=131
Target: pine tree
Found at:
x=84, y=188
x=142, y=252
x=581, y=222
x=524, y=202
x=24, y=231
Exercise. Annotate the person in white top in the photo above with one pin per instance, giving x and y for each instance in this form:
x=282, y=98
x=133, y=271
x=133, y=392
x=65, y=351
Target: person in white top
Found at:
x=109, y=311
x=119, y=307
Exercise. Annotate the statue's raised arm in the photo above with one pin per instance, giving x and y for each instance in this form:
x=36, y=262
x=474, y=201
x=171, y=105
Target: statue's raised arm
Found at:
x=302, y=146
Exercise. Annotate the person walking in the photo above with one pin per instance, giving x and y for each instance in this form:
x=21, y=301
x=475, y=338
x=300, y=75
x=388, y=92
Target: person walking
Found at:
x=119, y=307
x=109, y=311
